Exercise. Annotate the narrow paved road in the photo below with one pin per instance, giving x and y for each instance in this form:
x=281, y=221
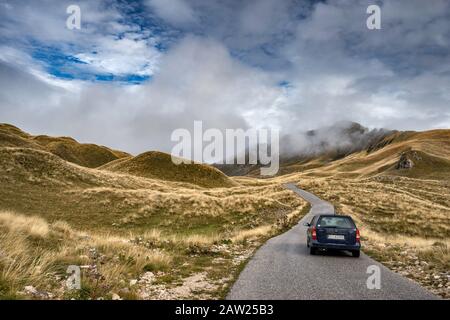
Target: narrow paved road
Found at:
x=283, y=269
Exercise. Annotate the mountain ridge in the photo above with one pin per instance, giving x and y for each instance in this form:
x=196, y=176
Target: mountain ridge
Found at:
x=379, y=154
x=84, y=154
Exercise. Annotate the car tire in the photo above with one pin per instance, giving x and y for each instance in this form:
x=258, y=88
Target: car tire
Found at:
x=356, y=253
x=312, y=251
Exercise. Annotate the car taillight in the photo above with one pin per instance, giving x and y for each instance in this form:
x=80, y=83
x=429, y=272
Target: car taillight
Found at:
x=358, y=236
x=314, y=233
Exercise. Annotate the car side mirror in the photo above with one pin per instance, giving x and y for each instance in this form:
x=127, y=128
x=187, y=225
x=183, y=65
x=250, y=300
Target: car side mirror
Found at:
x=307, y=224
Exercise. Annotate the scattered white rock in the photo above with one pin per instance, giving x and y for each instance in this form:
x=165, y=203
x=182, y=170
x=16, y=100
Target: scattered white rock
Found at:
x=133, y=282
x=31, y=290
x=147, y=277
x=115, y=296
x=188, y=289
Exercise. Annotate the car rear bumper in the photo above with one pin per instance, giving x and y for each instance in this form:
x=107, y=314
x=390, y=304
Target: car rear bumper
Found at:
x=337, y=246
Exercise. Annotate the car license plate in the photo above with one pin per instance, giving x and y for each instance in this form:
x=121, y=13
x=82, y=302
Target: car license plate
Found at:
x=336, y=237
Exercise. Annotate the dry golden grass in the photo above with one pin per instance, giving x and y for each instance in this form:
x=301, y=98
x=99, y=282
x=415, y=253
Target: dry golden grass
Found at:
x=20, y=264
x=33, y=226
x=125, y=225
x=244, y=235
x=34, y=253
x=134, y=224
x=391, y=206
x=39, y=183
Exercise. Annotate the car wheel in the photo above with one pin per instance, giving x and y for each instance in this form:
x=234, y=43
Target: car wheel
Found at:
x=312, y=251
x=356, y=253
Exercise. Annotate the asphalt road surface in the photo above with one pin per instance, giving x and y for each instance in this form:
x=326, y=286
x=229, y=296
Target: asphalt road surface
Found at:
x=283, y=269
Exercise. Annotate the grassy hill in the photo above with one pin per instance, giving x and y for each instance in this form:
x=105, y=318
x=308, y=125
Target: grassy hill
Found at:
x=159, y=165
x=153, y=164
x=39, y=183
x=87, y=155
x=429, y=153
x=189, y=228
x=374, y=153
x=138, y=218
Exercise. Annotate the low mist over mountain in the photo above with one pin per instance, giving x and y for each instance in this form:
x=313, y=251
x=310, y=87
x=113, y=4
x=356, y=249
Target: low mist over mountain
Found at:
x=329, y=143
x=337, y=140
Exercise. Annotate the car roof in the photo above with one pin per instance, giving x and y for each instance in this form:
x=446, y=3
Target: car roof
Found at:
x=332, y=215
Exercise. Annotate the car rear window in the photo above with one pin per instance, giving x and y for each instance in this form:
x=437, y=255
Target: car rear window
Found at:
x=335, y=222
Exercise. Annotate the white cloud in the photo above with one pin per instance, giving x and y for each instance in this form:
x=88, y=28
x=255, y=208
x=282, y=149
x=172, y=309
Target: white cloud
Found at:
x=176, y=12
x=122, y=56
x=121, y=47
x=198, y=80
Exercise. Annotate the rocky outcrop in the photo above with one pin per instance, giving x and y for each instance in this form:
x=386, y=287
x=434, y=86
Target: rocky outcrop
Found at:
x=406, y=160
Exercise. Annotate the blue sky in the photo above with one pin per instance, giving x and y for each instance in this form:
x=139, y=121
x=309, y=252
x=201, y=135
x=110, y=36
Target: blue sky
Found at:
x=136, y=70
x=85, y=55
x=97, y=52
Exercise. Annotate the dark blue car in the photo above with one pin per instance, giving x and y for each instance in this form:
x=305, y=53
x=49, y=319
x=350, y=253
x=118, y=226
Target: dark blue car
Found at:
x=329, y=231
